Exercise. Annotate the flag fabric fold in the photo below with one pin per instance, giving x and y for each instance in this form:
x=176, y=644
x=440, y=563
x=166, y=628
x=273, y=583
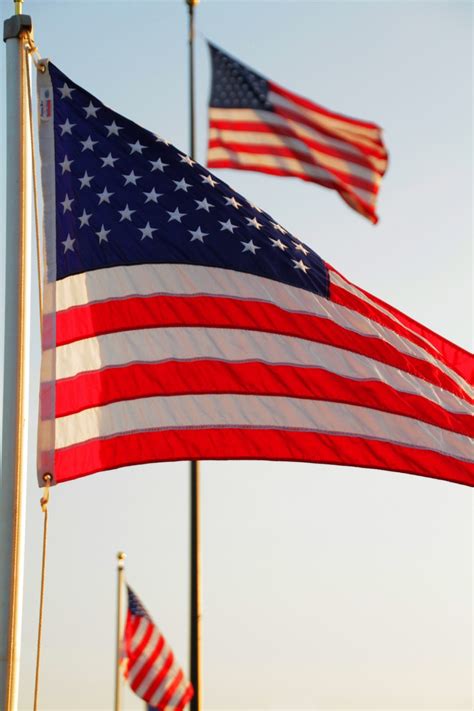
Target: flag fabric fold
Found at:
x=255, y=124
x=149, y=664
x=183, y=322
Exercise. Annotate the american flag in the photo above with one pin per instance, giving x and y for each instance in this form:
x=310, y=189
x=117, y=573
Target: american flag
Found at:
x=183, y=322
x=255, y=124
x=149, y=663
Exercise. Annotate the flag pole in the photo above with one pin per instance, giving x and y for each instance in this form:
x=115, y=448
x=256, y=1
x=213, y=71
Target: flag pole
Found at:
x=195, y=553
x=15, y=401
x=118, y=637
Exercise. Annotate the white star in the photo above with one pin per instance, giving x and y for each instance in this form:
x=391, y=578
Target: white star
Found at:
x=300, y=265
x=187, y=159
x=85, y=181
x=278, y=243
x=158, y=165
x=301, y=248
x=159, y=139
x=102, y=234
x=89, y=144
x=152, y=196
x=66, y=165
x=104, y=196
x=108, y=160
x=181, y=185
x=67, y=204
x=197, y=234
x=136, y=147
x=91, y=110
x=131, y=178
x=203, y=205
x=66, y=127
x=66, y=91
x=113, y=129
x=232, y=201
x=250, y=247
x=279, y=228
x=147, y=231
x=176, y=215
x=68, y=244
x=228, y=226
x=209, y=179
x=126, y=213
x=258, y=209
x=254, y=223
x=84, y=218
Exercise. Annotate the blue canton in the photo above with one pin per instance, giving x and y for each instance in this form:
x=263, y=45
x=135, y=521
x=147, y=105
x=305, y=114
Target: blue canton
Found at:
x=135, y=606
x=235, y=86
x=125, y=196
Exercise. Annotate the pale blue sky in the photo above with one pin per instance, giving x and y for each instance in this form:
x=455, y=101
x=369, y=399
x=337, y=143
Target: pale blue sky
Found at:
x=324, y=588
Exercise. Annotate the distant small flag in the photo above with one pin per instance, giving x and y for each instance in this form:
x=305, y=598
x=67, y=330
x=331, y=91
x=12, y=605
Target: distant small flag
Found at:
x=255, y=124
x=149, y=663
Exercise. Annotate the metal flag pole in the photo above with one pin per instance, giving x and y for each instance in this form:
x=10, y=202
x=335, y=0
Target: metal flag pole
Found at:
x=15, y=402
x=195, y=557
x=118, y=637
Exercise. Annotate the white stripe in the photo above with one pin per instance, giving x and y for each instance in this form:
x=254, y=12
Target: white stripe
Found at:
x=345, y=129
x=292, y=165
x=340, y=281
x=152, y=345
x=155, y=669
x=198, y=411
x=160, y=692
x=183, y=279
x=303, y=131
x=178, y=694
x=139, y=633
x=257, y=138
x=144, y=656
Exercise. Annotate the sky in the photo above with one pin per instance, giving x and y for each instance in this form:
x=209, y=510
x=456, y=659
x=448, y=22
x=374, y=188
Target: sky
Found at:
x=323, y=587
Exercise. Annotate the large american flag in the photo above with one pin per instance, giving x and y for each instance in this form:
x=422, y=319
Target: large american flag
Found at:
x=255, y=124
x=149, y=664
x=183, y=322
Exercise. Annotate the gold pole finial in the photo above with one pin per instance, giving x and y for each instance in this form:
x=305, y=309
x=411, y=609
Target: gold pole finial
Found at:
x=192, y=3
x=121, y=557
x=18, y=7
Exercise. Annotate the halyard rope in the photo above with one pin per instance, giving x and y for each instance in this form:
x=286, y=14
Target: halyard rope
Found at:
x=44, y=507
x=31, y=49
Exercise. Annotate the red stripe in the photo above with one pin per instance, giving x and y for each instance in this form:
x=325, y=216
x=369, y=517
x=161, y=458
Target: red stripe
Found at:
x=455, y=358
x=134, y=653
x=93, y=456
x=132, y=625
x=290, y=132
x=218, y=312
x=187, y=696
x=378, y=150
x=459, y=359
x=148, y=664
x=163, y=702
x=305, y=103
x=344, y=178
x=206, y=376
x=360, y=205
x=155, y=684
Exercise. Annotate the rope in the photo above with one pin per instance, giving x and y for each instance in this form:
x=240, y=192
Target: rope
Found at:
x=31, y=49
x=44, y=508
